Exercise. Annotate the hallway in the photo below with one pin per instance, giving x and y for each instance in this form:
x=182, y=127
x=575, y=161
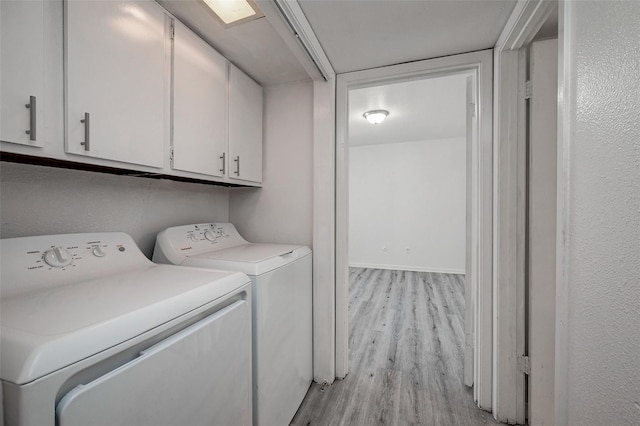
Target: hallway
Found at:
x=406, y=350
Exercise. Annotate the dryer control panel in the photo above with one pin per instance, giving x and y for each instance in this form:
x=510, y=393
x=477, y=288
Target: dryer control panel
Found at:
x=30, y=263
x=176, y=243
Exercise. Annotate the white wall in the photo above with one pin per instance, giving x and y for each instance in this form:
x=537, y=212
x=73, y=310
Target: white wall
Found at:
x=282, y=211
x=598, y=344
x=407, y=205
x=36, y=200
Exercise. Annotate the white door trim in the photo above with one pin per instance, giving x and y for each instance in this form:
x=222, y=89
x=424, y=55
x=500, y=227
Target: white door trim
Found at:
x=481, y=210
x=324, y=227
x=542, y=210
x=566, y=128
x=509, y=207
x=469, y=296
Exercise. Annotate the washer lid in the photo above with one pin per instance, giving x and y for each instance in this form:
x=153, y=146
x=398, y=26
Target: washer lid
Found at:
x=252, y=259
x=45, y=330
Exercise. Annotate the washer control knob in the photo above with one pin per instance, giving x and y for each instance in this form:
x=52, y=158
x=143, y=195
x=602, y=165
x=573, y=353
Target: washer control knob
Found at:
x=210, y=235
x=57, y=257
x=193, y=237
x=98, y=251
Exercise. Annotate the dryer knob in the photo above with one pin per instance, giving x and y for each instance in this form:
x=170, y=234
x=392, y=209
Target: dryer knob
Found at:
x=98, y=251
x=209, y=235
x=57, y=257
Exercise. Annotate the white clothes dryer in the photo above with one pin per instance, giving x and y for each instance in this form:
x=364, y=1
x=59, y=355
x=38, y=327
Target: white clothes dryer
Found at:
x=281, y=292
x=95, y=333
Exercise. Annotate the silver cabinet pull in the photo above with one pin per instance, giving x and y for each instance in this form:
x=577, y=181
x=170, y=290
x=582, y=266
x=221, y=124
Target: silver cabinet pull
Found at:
x=237, y=160
x=87, y=131
x=32, y=118
x=223, y=157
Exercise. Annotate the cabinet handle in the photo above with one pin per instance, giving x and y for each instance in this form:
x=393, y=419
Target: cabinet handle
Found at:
x=237, y=160
x=223, y=157
x=87, y=131
x=32, y=118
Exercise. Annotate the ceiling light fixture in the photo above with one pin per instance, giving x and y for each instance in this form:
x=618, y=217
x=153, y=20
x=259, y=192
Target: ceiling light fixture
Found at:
x=376, y=116
x=230, y=11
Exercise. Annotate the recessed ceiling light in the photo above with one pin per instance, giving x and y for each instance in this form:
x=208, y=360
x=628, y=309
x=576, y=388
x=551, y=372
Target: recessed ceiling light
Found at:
x=230, y=11
x=376, y=116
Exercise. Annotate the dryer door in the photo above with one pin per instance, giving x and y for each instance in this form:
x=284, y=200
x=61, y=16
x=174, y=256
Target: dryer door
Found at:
x=200, y=375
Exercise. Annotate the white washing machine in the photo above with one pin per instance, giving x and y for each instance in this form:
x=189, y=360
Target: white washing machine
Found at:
x=282, y=330
x=93, y=333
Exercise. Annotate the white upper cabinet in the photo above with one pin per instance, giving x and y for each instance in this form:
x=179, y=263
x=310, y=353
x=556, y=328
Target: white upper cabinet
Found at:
x=245, y=127
x=124, y=91
x=22, y=72
x=117, y=80
x=199, y=105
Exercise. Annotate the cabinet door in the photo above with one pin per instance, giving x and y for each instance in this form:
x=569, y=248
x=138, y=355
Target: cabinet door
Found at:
x=199, y=105
x=245, y=127
x=22, y=71
x=116, y=80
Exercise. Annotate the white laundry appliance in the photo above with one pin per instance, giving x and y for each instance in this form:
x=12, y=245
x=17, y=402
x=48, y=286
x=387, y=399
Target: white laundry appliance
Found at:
x=93, y=333
x=281, y=289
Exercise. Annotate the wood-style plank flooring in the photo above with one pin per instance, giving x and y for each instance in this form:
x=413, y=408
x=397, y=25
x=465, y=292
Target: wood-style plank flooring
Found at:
x=406, y=353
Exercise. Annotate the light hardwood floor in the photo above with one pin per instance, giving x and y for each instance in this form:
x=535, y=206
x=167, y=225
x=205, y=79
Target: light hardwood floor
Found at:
x=406, y=332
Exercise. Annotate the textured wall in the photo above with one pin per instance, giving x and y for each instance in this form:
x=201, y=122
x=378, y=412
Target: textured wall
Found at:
x=282, y=211
x=407, y=205
x=37, y=200
x=602, y=240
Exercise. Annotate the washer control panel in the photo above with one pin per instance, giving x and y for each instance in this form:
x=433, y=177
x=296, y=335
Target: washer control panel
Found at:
x=58, y=259
x=210, y=232
x=176, y=243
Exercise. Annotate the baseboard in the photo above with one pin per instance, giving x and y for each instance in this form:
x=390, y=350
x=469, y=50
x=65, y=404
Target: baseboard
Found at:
x=408, y=268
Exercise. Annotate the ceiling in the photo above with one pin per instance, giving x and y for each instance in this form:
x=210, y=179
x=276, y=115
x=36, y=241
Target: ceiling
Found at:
x=363, y=34
x=355, y=34
x=254, y=46
x=419, y=110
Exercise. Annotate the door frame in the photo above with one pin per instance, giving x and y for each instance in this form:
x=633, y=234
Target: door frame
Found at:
x=509, y=209
x=481, y=209
x=290, y=22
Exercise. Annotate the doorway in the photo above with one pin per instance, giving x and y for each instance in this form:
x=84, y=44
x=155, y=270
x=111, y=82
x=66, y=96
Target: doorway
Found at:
x=407, y=191
x=478, y=325
x=407, y=185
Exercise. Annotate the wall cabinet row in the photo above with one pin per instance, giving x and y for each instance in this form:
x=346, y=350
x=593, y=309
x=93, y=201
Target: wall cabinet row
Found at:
x=141, y=92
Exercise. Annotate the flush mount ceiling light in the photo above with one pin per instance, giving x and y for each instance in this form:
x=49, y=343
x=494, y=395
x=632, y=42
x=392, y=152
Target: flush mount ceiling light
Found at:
x=376, y=116
x=234, y=11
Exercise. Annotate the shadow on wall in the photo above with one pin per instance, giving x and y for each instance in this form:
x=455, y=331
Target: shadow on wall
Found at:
x=37, y=200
